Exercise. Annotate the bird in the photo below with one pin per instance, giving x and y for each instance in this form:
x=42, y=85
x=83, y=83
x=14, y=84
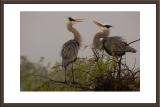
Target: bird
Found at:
x=114, y=46
x=97, y=45
x=70, y=48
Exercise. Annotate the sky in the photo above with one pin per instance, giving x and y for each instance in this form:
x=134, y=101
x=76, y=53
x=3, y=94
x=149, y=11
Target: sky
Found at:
x=42, y=34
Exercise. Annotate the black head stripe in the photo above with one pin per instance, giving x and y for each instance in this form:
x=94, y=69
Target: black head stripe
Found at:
x=107, y=26
x=71, y=19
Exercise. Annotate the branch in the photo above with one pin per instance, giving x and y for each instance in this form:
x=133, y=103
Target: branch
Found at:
x=133, y=41
x=95, y=54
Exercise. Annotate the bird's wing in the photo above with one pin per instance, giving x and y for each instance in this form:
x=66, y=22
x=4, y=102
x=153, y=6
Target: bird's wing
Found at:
x=119, y=43
x=118, y=38
x=114, y=44
x=70, y=49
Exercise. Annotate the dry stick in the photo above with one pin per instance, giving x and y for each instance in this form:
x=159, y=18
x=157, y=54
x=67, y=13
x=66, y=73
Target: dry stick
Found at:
x=119, y=71
x=133, y=41
x=97, y=59
x=129, y=70
x=114, y=67
x=134, y=65
x=103, y=53
x=136, y=73
x=119, y=74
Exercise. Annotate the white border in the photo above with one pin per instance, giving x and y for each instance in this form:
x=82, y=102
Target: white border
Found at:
x=12, y=92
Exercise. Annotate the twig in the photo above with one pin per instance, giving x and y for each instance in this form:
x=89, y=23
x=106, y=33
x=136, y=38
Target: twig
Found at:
x=133, y=41
x=134, y=65
x=97, y=59
x=95, y=54
x=119, y=71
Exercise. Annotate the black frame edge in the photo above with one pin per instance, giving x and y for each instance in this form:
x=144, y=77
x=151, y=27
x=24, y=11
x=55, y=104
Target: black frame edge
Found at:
x=78, y=104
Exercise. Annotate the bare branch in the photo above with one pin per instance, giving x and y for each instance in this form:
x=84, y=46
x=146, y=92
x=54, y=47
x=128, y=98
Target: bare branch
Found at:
x=133, y=41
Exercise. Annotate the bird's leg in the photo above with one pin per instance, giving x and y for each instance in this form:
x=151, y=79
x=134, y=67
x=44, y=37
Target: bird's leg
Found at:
x=115, y=69
x=72, y=73
x=119, y=71
x=114, y=66
x=102, y=54
x=119, y=74
x=95, y=54
x=65, y=75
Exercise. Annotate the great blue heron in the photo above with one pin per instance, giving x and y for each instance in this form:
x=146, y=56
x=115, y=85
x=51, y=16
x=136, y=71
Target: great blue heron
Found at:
x=70, y=49
x=114, y=46
x=98, y=38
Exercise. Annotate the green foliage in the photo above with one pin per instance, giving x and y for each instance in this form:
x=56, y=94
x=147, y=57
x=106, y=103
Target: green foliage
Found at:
x=90, y=75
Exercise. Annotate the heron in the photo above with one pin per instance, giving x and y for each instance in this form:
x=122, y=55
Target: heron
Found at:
x=70, y=49
x=115, y=46
x=97, y=45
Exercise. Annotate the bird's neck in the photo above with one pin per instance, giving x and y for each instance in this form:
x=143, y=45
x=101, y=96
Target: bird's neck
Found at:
x=76, y=34
x=106, y=32
x=97, y=43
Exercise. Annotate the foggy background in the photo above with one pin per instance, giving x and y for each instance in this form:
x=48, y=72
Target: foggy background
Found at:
x=42, y=34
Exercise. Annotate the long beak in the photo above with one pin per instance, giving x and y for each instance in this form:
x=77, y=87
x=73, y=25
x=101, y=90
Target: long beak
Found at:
x=98, y=24
x=78, y=20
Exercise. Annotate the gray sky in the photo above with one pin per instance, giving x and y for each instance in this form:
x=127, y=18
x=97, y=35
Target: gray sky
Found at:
x=44, y=33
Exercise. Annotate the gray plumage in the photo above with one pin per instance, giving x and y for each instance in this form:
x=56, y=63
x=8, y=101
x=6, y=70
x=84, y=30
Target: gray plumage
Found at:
x=70, y=49
x=69, y=52
x=116, y=46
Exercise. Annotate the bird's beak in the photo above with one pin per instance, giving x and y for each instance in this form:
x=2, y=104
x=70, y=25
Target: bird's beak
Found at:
x=98, y=24
x=78, y=20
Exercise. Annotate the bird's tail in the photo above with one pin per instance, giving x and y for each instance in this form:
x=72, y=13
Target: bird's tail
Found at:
x=130, y=49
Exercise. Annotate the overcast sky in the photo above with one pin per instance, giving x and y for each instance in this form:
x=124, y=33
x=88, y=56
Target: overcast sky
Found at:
x=44, y=33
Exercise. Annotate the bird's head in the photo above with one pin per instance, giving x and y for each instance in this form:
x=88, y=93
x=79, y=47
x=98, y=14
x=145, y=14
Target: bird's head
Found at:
x=73, y=21
x=107, y=26
x=103, y=27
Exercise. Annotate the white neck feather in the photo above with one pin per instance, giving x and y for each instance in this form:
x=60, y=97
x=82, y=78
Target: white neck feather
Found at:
x=76, y=34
